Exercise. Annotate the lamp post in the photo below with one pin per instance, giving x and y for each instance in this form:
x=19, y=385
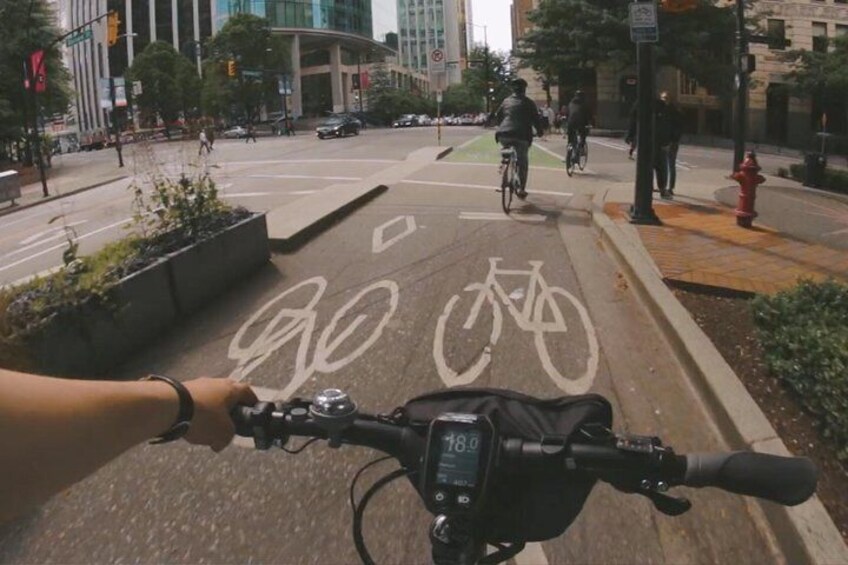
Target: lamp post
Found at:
x=114, y=115
x=739, y=129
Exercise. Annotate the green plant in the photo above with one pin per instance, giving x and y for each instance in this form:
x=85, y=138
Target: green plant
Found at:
x=834, y=179
x=804, y=333
x=783, y=172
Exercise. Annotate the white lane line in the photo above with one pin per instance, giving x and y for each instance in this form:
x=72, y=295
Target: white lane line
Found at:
x=469, y=142
x=300, y=192
x=45, y=236
x=609, y=144
x=497, y=216
x=309, y=161
x=61, y=245
x=532, y=554
x=302, y=177
x=490, y=188
x=586, y=171
x=247, y=194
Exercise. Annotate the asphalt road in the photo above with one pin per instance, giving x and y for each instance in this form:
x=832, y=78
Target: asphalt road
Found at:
x=387, y=295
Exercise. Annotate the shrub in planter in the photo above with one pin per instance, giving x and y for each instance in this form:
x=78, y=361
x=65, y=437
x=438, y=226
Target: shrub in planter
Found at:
x=804, y=333
x=84, y=306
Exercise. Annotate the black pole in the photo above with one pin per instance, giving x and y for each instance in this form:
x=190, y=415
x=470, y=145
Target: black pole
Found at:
x=115, y=121
x=359, y=80
x=642, y=211
x=35, y=138
x=741, y=115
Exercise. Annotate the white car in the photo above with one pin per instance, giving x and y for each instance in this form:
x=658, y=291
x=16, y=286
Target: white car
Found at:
x=237, y=132
x=425, y=120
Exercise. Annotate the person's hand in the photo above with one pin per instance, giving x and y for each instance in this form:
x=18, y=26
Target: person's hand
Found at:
x=213, y=401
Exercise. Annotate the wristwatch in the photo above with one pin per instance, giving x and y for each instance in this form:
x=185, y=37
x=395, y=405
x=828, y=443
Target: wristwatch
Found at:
x=183, y=423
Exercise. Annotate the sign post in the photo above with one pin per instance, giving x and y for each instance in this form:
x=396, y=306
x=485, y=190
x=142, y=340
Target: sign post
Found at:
x=439, y=117
x=644, y=31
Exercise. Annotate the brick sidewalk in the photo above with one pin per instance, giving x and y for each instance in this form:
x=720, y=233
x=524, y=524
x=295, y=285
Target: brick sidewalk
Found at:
x=703, y=245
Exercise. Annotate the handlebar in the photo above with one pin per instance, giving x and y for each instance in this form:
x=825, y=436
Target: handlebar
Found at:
x=630, y=463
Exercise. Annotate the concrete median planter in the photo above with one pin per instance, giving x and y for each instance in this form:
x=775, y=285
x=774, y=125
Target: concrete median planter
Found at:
x=143, y=305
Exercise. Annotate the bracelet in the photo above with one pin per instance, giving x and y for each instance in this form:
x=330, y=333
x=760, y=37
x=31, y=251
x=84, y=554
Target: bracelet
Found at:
x=183, y=423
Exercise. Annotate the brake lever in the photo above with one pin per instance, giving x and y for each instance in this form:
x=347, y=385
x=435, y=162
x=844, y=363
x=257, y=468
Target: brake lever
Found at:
x=668, y=505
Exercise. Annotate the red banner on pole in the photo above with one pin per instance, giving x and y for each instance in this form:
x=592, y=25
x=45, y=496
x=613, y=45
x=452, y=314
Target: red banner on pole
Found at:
x=39, y=70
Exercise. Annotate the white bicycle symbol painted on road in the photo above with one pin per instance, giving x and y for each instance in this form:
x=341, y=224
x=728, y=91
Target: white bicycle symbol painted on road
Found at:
x=301, y=322
x=539, y=298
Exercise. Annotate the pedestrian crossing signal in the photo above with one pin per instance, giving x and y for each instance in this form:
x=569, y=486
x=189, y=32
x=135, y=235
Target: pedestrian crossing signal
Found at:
x=231, y=68
x=113, y=21
x=678, y=6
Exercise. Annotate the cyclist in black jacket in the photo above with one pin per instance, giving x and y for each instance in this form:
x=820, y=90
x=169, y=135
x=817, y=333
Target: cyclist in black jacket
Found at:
x=517, y=117
x=579, y=119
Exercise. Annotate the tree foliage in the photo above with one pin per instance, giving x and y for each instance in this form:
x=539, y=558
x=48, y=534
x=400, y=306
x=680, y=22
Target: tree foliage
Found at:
x=387, y=102
x=27, y=26
x=478, y=80
x=169, y=82
x=822, y=75
x=247, y=40
x=571, y=34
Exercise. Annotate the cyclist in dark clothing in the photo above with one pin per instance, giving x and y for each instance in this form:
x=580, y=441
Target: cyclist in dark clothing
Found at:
x=517, y=117
x=579, y=119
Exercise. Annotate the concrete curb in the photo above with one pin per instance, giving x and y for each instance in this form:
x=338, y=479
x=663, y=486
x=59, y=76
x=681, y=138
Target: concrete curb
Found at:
x=21, y=207
x=805, y=533
x=292, y=226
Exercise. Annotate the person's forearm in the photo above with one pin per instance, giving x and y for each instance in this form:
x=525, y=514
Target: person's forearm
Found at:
x=54, y=432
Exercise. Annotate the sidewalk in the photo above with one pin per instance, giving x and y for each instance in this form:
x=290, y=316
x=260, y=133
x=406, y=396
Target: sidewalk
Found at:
x=70, y=174
x=702, y=244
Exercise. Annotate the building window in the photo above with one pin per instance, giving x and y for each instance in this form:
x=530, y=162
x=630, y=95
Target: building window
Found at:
x=776, y=34
x=688, y=85
x=841, y=30
x=819, y=37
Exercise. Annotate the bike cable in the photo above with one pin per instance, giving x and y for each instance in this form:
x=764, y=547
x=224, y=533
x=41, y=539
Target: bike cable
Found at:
x=301, y=448
x=359, y=510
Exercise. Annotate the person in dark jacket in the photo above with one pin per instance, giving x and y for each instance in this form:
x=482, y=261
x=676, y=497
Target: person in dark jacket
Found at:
x=579, y=119
x=663, y=133
x=517, y=117
x=630, y=138
x=675, y=132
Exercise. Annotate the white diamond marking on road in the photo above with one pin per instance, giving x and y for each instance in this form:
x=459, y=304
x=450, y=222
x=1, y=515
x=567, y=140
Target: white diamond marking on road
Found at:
x=379, y=244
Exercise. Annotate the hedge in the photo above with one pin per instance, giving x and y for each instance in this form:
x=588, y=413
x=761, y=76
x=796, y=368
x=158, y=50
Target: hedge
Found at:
x=804, y=333
x=834, y=179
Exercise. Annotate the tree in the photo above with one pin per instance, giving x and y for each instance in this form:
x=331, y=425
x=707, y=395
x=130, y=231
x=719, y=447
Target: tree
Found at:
x=157, y=68
x=823, y=76
x=461, y=99
x=247, y=40
x=581, y=34
x=386, y=102
x=496, y=80
x=27, y=26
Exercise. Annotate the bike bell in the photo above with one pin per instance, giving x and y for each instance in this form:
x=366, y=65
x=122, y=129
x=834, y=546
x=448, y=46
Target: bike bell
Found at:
x=333, y=410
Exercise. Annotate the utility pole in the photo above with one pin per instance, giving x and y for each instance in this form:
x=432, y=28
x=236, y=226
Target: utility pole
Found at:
x=741, y=115
x=115, y=129
x=359, y=78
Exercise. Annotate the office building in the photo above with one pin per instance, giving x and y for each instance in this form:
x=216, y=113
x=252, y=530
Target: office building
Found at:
x=429, y=24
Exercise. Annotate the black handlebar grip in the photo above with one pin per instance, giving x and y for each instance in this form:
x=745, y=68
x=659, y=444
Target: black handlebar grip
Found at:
x=241, y=416
x=786, y=480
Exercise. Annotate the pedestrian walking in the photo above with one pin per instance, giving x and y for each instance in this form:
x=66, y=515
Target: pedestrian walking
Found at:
x=630, y=138
x=210, y=135
x=251, y=134
x=662, y=139
x=204, y=143
x=289, y=125
x=546, y=125
x=561, y=118
x=550, y=116
x=675, y=133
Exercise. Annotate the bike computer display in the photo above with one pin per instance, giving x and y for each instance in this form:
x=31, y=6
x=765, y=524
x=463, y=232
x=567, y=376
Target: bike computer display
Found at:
x=459, y=455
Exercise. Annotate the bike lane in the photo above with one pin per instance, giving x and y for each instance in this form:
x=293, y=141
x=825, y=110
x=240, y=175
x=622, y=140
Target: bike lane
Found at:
x=428, y=286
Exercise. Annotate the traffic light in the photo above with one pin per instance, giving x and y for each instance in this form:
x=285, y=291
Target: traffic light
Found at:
x=231, y=68
x=678, y=6
x=112, y=23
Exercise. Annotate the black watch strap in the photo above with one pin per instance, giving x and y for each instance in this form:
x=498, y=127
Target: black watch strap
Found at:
x=181, y=426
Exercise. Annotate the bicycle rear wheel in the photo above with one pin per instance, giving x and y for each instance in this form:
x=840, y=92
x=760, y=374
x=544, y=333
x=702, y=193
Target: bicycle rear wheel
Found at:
x=569, y=160
x=506, y=186
x=584, y=155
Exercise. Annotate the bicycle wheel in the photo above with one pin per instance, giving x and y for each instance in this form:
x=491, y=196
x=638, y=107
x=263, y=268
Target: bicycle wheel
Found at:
x=506, y=186
x=569, y=160
x=584, y=155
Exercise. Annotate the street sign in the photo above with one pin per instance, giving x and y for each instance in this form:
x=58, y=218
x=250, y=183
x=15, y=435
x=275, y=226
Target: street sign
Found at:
x=78, y=37
x=438, y=61
x=643, y=22
x=252, y=74
x=120, y=92
x=284, y=85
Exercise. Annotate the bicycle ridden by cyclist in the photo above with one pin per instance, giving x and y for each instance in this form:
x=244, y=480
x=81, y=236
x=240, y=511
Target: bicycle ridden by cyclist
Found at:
x=517, y=117
x=578, y=120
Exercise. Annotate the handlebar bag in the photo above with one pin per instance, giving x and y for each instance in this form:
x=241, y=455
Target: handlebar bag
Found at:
x=533, y=502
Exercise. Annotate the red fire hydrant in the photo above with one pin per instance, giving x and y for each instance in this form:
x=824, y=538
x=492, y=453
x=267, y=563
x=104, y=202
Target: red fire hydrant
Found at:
x=748, y=178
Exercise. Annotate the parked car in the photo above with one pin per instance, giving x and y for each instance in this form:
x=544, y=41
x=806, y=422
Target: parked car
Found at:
x=338, y=126
x=406, y=121
x=237, y=132
x=425, y=120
